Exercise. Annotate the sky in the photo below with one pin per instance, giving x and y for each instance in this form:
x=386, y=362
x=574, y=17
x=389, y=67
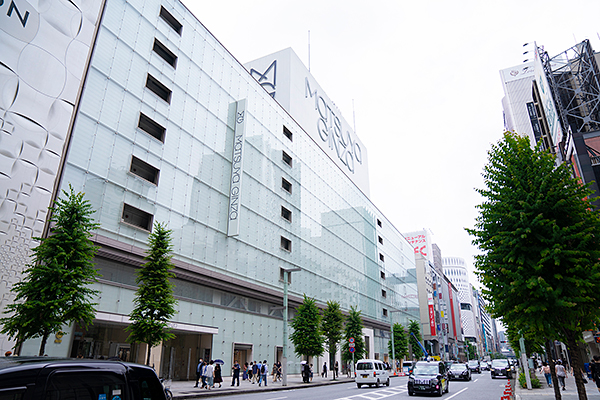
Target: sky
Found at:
x=419, y=79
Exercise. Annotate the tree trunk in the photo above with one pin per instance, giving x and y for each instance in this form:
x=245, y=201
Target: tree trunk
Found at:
x=43, y=344
x=555, y=384
x=332, y=350
x=576, y=363
x=148, y=357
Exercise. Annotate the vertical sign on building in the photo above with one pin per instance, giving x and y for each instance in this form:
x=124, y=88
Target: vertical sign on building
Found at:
x=451, y=297
x=547, y=101
x=431, y=317
x=237, y=169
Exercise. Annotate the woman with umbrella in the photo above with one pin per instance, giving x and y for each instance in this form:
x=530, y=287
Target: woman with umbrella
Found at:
x=218, y=376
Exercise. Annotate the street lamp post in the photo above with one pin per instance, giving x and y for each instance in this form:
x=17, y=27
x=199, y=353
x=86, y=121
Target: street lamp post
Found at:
x=393, y=347
x=286, y=280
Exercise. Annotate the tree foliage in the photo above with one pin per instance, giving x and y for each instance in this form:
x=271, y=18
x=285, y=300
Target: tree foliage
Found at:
x=540, y=242
x=307, y=335
x=55, y=289
x=414, y=329
x=400, y=342
x=353, y=329
x=332, y=324
x=154, y=301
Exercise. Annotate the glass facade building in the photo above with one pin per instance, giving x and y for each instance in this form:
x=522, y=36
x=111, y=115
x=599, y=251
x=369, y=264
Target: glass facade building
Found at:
x=153, y=138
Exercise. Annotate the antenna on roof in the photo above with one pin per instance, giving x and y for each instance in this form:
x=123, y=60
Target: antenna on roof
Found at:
x=309, y=50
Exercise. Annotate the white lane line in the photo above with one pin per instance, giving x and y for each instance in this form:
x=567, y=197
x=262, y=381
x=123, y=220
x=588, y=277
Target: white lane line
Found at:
x=278, y=398
x=457, y=393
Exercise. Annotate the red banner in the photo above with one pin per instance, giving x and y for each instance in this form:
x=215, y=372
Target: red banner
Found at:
x=452, y=308
x=432, y=320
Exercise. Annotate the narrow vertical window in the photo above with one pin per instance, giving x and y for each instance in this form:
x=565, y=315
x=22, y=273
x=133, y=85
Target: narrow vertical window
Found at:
x=170, y=20
x=158, y=88
x=288, y=134
x=164, y=53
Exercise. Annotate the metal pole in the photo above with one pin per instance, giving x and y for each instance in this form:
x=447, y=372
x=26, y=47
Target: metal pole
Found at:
x=524, y=364
x=285, y=328
x=393, y=348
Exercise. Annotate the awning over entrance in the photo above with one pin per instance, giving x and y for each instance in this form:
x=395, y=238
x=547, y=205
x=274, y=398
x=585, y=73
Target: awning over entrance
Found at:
x=176, y=326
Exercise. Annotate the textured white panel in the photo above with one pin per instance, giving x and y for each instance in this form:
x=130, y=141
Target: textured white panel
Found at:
x=42, y=61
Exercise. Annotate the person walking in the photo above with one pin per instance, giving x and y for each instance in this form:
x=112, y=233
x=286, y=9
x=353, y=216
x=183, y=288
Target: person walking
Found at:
x=547, y=374
x=264, y=371
x=254, y=376
x=198, y=372
x=595, y=368
x=305, y=372
x=218, y=375
x=203, y=374
x=236, y=373
x=561, y=374
x=210, y=375
x=336, y=370
x=324, y=371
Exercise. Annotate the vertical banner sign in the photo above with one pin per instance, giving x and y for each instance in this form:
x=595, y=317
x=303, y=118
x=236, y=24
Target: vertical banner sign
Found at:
x=432, y=320
x=235, y=191
x=452, y=308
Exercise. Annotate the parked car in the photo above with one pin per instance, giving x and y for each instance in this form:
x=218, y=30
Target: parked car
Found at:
x=371, y=372
x=459, y=371
x=474, y=366
x=45, y=378
x=428, y=377
x=501, y=367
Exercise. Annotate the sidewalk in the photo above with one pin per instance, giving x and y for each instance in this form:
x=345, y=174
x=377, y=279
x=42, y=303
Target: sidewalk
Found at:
x=546, y=392
x=186, y=389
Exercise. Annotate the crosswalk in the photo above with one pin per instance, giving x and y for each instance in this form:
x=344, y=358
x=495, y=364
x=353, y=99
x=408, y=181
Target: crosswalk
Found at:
x=375, y=394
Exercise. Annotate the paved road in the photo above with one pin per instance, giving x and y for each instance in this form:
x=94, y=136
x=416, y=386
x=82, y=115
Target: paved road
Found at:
x=481, y=387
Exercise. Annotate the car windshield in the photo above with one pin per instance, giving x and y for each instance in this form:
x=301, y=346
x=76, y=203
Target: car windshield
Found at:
x=457, y=367
x=500, y=363
x=426, y=369
x=363, y=366
x=473, y=363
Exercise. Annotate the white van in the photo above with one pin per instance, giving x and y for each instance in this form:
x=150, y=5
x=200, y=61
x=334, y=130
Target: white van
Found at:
x=371, y=372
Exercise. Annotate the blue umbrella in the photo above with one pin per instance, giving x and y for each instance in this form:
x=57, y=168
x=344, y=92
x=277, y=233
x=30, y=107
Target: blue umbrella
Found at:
x=219, y=361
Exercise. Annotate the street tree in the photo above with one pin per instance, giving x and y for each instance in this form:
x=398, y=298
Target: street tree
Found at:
x=55, y=289
x=353, y=329
x=332, y=324
x=414, y=330
x=400, y=342
x=307, y=335
x=154, y=304
x=540, y=240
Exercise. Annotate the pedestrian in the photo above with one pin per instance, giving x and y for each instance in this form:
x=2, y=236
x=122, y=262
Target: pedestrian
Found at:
x=254, y=372
x=218, y=375
x=595, y=367
x=236, y=373
x=198, y=371
x=311, y=372
x=203, y=374
x=561, y=374
x=245, y=373
x=547, y=374
x=264, y=371
x=305, y=372
x=278, y=371
x=210, y=375
x=258, y=374
x=324, y=370
x=336, y=370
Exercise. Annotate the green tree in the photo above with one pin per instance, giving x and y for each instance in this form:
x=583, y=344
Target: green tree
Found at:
x=540, y=242
x=154, y=301
x=332, y=324
x=472, y=352
x=55, y=288
x=353, y=329
x=307, y=336
x=414, y=330
x=400, y=342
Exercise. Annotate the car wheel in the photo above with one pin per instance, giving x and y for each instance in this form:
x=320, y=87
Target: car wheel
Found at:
x=440, y=391
x=359, y=385
x=447, y=387
x=411, y=393
x=377, y=383
x=388, y=383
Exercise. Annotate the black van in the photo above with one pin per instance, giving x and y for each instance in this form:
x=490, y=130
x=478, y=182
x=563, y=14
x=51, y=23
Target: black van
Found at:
x=44, y=378
x=428, y=377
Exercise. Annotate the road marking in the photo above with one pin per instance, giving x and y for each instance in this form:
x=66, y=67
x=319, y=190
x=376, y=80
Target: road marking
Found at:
x=475, y=380
x=376, y=395
x=457, y=393
x=278, y=398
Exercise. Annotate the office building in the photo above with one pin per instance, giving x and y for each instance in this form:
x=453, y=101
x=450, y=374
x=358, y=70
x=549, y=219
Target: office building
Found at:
x=137, y=105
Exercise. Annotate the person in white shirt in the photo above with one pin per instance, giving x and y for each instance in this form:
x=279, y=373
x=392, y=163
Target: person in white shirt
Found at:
x=210, y=375
x=264, y=371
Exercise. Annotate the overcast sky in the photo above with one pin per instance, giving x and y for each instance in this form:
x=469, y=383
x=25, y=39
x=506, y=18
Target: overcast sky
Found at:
x=424, y=80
